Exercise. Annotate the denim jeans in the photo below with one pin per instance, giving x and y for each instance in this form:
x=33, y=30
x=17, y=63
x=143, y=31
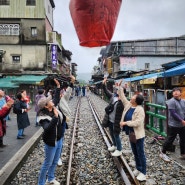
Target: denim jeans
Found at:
x=115, y=137
x=52, y=154
x=139, y=155
x=20, y=132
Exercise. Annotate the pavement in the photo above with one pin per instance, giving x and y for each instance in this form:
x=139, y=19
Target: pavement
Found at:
x=16, y=149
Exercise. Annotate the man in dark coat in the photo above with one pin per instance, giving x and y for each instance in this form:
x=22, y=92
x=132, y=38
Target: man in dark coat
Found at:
x=114, y=119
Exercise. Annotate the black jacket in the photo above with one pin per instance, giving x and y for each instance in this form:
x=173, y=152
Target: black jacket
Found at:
x=22, y=117
x=54, y=127
x=118, y=115
x=119, y=110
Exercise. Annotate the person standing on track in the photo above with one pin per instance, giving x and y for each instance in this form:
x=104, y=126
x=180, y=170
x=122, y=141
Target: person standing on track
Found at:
x=176, y=124
x=133, y=117
x=114, y=119
x=51, y=119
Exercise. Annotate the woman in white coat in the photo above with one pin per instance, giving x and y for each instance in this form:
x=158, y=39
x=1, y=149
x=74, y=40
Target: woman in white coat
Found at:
x=133, y=117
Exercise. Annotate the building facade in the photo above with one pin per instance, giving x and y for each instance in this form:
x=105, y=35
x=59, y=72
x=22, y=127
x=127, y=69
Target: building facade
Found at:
x=122, y=58
x=150, y=66
x=28, y=42
x=30, y=48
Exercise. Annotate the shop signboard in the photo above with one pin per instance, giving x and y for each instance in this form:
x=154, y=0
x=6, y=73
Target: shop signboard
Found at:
x=54, y=56
x=128, y=63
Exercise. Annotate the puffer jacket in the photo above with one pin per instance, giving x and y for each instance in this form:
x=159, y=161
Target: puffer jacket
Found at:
x=54, y=127
x=118, y=112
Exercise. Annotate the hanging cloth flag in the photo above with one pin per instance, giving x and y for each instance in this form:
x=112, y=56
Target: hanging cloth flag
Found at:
x=94, y=20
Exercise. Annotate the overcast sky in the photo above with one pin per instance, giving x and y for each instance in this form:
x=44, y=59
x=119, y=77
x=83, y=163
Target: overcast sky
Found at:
x=138, y=19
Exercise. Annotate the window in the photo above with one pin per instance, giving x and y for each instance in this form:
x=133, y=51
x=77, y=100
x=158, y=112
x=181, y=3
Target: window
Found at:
x=30, y=2
x=9, y=29
x=4, y=2
x=16, y=59
x=33, y=31
x=147, y=65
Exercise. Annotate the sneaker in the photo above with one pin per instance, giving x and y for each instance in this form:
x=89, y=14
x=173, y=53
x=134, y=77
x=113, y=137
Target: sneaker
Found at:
x=136, y=172
x=60, y=162
x=112, y=148
x=2, y=146
x=164, y=157
x=141, y=177
x=182, y=157
x=54, y=182
x=20, y=137
x=116, y=153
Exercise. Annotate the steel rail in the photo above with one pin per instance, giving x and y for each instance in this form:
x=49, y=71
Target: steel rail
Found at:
x=106, y=139
x=72, y=142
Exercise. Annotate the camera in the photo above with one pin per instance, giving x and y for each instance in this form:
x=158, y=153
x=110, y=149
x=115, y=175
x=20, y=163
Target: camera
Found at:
x=49, y=82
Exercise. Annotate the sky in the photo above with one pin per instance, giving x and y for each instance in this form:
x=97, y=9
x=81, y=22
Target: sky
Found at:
x=138, y=19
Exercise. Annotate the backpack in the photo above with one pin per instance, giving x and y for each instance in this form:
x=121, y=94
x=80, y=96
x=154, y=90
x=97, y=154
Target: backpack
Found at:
x=110, y=107
x=15, y=111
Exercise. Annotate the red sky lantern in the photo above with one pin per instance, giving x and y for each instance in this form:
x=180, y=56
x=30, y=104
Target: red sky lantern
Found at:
x=94, y=20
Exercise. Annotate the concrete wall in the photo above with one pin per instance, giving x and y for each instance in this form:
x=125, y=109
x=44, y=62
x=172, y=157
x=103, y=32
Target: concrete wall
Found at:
x=32, y=58
x=18, y=9
x=49, y=15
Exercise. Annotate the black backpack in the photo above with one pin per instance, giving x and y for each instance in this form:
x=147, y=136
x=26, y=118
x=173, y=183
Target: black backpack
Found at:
x=110, y=107
x=15, y=111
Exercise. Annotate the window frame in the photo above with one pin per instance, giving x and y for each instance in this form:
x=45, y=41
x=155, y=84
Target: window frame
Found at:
x=147, y=65
x=10, y=29
x=4, y=2
x=30, y=2
x=34, y=31
x=16, y=59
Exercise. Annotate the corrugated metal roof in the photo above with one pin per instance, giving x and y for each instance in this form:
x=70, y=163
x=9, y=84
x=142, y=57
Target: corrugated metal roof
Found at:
x=175, y=71
x=141, y=77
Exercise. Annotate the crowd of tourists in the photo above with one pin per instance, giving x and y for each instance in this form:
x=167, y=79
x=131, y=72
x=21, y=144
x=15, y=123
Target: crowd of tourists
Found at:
x=53, y=114
x=131, y=120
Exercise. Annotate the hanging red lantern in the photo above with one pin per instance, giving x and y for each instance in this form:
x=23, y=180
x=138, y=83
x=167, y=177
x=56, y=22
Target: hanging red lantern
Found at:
x=94, y=20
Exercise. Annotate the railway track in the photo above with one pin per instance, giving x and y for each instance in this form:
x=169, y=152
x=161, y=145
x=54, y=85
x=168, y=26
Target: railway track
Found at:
x=125, y=172
x=86, y=159
x=121, y=163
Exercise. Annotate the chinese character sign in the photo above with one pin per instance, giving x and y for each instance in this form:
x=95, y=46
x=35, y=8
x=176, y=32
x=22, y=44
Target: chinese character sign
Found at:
x=54, y=56
x=128, y=63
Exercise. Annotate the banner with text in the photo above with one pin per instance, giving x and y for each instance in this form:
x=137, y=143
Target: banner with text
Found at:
x=128, y=63
x=54, y=56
